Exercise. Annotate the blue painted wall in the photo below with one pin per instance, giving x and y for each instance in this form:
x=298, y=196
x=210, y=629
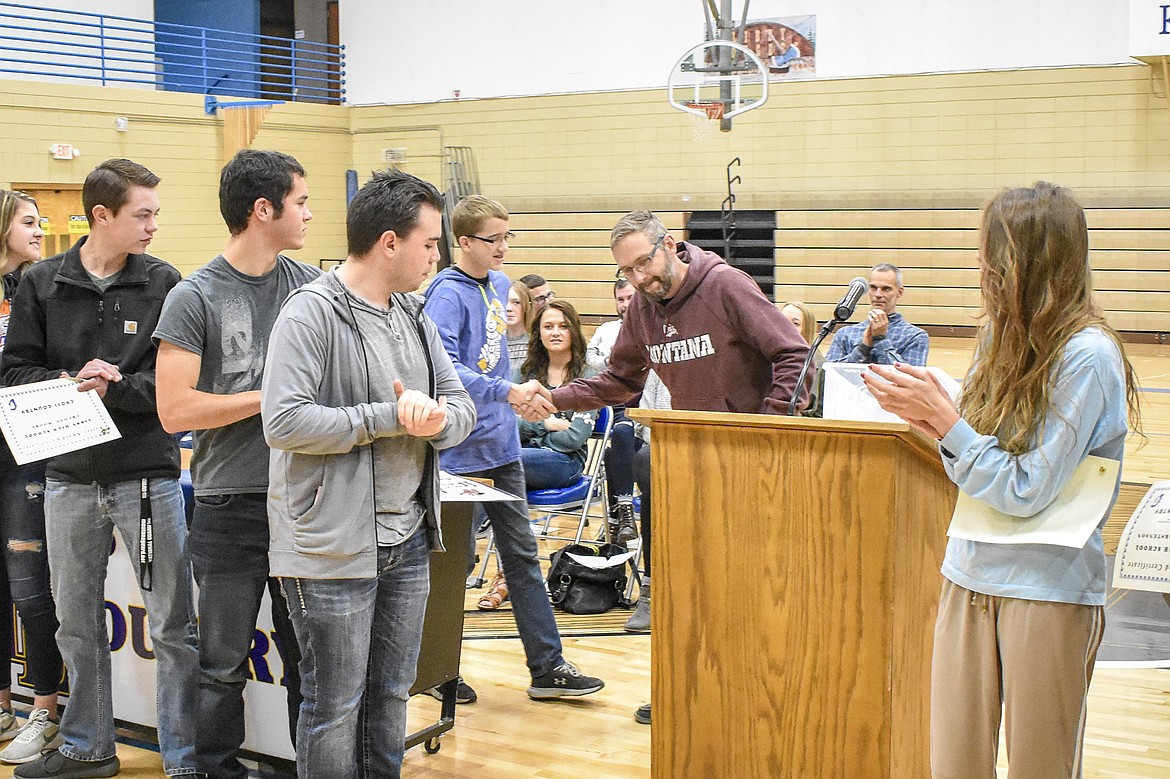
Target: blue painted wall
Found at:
x=230, y=63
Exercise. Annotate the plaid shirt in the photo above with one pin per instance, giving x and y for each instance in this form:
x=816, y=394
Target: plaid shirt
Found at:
x=903, y=342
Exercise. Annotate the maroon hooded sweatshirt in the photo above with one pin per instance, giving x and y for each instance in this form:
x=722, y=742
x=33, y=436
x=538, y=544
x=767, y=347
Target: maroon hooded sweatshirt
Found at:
x=718, y=345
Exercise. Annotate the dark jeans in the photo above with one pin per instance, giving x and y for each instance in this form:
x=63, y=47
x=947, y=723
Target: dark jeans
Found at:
x=521, y=562
x=24, y=577
x=228, y=544
x=619, y=460
x=545, y=468
x=642, y=477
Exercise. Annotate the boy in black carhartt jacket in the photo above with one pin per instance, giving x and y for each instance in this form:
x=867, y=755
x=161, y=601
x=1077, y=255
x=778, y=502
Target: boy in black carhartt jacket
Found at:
x=89, y=313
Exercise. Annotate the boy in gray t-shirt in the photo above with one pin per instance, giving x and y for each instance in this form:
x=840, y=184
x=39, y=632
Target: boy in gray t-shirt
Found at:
x=213, y=337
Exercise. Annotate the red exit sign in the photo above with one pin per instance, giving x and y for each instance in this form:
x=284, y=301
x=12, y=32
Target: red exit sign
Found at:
x=63, y=151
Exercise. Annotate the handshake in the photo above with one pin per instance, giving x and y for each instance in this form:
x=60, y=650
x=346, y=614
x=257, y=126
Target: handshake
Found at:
x=532, y=401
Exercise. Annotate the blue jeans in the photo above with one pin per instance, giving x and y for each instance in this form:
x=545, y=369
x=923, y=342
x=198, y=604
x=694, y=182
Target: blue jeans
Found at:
x=521, y=562
x=544, y=468
x=359, y=643
x=81, y=519
x=24, y=576
x=228, y=544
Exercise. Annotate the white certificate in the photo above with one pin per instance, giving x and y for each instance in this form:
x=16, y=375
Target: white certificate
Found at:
x=1069, y=521
x=1143, y=556
x=51, y=417
x=457, y=489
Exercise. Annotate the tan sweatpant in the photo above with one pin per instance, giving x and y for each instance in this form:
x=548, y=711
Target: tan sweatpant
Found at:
x=1032, y=658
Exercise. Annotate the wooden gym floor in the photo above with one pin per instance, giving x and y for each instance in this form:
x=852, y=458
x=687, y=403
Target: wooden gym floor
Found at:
x=506, y=736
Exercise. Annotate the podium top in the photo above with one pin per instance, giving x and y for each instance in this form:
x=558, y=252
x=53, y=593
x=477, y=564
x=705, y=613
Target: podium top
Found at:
x=916, y=439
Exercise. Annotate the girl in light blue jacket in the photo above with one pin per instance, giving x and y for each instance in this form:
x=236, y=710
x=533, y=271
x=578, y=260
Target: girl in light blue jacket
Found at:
x=1019, y=624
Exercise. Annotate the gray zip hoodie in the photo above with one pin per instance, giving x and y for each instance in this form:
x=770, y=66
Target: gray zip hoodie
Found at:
x=320, y=425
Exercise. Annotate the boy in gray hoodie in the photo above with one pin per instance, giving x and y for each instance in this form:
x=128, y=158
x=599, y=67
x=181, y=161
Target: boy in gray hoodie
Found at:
x=358, y=396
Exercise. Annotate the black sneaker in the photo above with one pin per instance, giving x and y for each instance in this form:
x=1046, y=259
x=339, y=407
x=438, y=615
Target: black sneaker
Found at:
x=642, y=715
x=57, y=765
x=564, y=681
x=463, y=692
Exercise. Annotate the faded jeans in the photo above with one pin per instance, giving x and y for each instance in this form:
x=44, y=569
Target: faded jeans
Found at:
x=80, y=520
x=359, y=642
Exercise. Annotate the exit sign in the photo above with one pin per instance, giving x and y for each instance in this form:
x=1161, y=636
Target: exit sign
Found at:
x=63, y=151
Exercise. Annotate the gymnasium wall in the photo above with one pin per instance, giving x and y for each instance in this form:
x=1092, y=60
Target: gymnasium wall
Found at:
x=170, y=134
x=863, y=169
x=860, y=170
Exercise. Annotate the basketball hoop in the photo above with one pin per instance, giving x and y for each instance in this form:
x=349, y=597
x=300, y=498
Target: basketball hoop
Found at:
x=716, y=81
x=706, y=116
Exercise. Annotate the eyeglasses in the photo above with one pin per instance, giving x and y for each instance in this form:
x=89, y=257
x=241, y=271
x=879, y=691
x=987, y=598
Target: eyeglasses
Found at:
x=497, y=240
x=540, y=300
x=641, y=265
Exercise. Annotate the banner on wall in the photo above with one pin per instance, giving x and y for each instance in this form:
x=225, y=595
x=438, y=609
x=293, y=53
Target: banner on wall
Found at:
x=1149, y=28
x=787, y=45
x=133, y=665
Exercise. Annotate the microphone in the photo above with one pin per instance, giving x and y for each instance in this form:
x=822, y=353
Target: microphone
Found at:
x=844, y=310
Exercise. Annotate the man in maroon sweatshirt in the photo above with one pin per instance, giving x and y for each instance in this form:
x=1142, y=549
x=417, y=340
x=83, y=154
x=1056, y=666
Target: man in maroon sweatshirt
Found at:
x=717, y=343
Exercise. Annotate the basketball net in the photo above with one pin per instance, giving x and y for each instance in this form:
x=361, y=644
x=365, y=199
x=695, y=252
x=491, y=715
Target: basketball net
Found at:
x=705, y=126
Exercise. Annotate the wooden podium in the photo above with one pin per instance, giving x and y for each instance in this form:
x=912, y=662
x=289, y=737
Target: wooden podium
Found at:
x=795, y=586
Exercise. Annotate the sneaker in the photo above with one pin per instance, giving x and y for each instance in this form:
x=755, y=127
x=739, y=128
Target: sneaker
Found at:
x=9, y=725
x=626, y=529
x=642, y=715
x=564, y=681
x=463, y=692
x=38, y=734
x=57, y=765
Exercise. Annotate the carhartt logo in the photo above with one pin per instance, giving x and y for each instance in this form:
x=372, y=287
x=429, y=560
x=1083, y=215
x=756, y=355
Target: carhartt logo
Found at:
x=130, y=327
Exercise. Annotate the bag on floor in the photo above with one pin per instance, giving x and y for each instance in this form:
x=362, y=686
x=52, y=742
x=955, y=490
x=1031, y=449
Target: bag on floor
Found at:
x=578, y=588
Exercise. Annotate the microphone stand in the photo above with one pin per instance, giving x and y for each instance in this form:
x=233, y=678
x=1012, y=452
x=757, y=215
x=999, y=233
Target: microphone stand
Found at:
x=829, y=327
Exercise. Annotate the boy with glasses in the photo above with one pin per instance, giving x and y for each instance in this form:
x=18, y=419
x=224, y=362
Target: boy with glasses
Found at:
x=467, y=302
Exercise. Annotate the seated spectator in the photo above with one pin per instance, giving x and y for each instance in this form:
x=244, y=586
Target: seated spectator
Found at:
x=554, y=451
x=802, y=318
x=884, y=337
x=619, y=455
x=542, y=293
x=518, y=317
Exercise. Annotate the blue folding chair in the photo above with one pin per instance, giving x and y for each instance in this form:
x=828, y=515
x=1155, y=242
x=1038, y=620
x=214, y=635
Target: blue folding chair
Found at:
x=586, y=492
x=577, y=499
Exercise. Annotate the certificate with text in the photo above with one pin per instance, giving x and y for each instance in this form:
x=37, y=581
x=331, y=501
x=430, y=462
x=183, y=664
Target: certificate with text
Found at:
x=49, y=418
x=1143, y=555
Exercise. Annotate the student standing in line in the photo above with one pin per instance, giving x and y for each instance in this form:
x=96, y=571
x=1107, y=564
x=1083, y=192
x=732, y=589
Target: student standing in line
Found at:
x=1019, y=625
x=88, y=314
x=212, y=339
x=24, y=579
x=358, y=397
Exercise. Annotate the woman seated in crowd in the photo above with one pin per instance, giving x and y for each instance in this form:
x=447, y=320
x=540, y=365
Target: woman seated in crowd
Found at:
x=554, y=450
x=802, y=318
x=518, y=316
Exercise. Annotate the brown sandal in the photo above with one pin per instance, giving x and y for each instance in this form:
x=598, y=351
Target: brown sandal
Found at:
x=497, y=593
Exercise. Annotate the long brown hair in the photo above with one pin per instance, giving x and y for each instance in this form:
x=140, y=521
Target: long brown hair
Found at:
x=1037, y=294
x=9, y=201
x=536, y=366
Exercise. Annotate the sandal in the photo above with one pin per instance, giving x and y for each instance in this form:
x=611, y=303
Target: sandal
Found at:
x=497, y=593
